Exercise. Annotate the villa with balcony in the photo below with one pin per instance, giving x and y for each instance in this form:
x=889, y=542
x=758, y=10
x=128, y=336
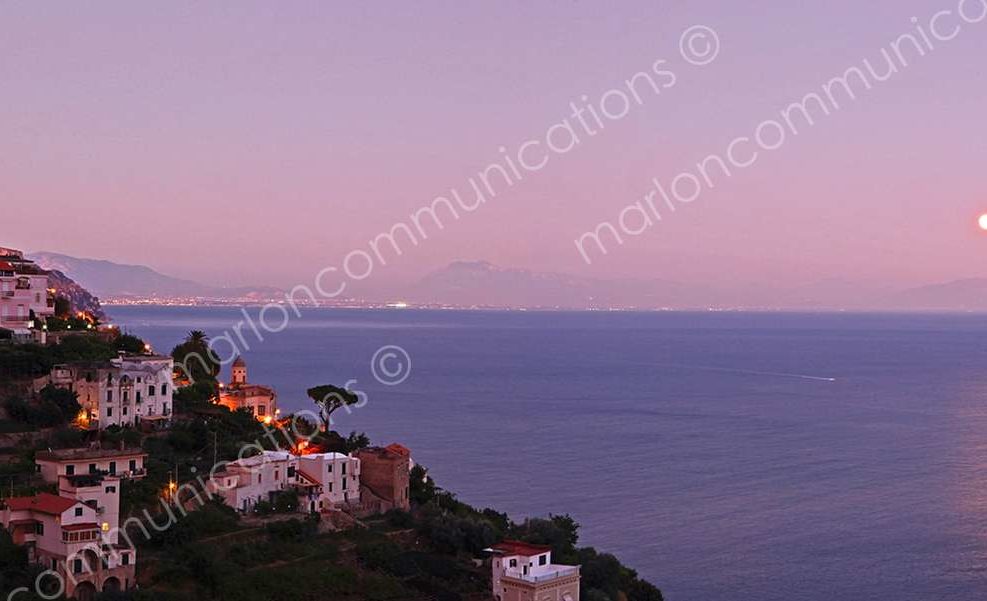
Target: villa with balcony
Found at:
x=124, y=463
x=525, y=572
x=71, y=538
x=24, y=294
x=129, y=390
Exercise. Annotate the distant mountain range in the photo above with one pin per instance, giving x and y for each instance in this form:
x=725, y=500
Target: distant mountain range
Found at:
x=483, y=284
x=113, y=280
x=480, y=283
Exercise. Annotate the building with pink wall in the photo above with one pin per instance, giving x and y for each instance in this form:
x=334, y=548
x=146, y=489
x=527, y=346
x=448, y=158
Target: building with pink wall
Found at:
x=23, y=292
x=72, y=538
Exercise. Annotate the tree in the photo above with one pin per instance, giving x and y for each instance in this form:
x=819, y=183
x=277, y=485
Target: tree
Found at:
x=63, y=307
x=329, y=399
x=195, y=361
x=66, y=400
x=129, y=344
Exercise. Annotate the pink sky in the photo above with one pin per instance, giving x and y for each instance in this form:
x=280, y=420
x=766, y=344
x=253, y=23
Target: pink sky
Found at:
x=255, y=143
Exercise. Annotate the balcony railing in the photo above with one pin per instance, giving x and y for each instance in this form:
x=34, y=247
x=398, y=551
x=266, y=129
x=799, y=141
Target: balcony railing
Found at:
x=560, y=572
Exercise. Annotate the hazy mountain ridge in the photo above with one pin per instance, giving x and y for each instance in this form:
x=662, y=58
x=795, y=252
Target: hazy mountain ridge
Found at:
x=480, y=283
x=109, y=279
x=484, y=284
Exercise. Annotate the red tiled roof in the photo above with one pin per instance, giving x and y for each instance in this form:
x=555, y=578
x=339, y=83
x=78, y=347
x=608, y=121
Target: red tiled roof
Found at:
x=399, y=449
x=514, y=547
x=44, y=502
x=73, y=527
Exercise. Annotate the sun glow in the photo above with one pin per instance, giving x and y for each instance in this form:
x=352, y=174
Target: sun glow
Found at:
x=983, y=222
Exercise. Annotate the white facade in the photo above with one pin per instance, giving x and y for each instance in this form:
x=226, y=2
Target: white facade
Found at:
x=124, y=391
x=338, y=475
x=23, y=289
x=522, y=571
x=323, y=480
x=126, y=463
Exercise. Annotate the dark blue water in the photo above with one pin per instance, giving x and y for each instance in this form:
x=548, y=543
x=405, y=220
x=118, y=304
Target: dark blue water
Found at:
x=725, y=456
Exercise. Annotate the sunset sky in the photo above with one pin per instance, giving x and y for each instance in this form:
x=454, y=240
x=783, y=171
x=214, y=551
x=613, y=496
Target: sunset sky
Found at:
x=259, y=142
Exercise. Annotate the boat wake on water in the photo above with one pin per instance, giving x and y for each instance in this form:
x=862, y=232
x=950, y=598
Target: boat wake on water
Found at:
x=750, y=372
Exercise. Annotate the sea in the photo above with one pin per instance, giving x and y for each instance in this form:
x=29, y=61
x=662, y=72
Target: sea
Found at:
x=725, y=456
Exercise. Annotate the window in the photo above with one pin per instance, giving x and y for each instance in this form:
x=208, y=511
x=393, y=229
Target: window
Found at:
x=125, y=559
x=92, y=468
x=125, y=411
x=344, y=483
x=513, y=563
x=150, y=391
x=109, y=412
x=344, y=469
x=137, y=395
x=330, y=487
x=164, y=389
x=126, y=396
x=113, y=467
x=109, y=396
x=69, y=470
x=330, y=468
x=277, y=475
x=77, y=566
x=78, y=512
x=543, y=560
x=164, y=409
x=39, y=528
x=291, y=471
x=133, y=465
x=111, y=489
x=261, y=410
x=54, y=564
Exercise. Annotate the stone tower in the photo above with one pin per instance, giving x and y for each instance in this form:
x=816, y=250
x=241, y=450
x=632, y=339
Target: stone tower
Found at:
x=239, y=372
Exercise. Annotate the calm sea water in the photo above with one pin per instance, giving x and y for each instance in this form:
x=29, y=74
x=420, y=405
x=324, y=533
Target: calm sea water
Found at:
x=726, y=456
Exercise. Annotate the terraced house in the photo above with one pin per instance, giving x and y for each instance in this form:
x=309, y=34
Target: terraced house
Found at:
x=130, y=390
x=24, y=294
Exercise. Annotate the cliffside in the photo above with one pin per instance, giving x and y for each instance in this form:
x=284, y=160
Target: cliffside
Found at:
x=81, y=299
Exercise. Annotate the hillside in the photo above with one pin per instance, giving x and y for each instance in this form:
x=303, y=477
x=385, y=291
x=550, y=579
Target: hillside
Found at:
x=109, y=279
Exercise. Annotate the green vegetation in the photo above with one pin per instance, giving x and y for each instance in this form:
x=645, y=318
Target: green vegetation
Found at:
x=330, y=399
x=54, y=407
x=456, y=528
x=27, y=361
x=194, y=360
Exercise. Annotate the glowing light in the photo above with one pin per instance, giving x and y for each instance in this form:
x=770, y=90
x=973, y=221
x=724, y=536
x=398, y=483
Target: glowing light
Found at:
x=267, y=420
x=106, y=527
x=983, y=222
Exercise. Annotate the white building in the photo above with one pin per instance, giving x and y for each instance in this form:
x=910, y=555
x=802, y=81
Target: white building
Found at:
x=131, y=390
x=23, y=291
x=525, y=572
x=126, y=463
x=324, y=481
